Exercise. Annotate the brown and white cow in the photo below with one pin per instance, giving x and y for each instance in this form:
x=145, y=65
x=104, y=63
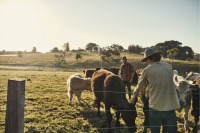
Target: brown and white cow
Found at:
x=76, y=84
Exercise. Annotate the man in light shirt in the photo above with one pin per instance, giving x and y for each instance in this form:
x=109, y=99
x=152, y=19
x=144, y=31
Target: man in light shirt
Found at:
x=163, y=99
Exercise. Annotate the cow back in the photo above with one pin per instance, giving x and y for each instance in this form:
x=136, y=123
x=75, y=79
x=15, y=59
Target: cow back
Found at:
x=108, y=87
x=97, y=83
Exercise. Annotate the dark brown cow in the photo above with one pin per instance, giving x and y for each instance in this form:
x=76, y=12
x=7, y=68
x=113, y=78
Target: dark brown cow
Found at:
x=109, y=89
x=88, y=72
x=115, y=70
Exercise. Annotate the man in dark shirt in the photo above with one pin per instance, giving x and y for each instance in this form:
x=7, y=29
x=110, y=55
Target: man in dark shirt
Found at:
x=127, y=72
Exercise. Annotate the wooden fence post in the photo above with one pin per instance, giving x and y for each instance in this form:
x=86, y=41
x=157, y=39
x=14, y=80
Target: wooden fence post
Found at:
x=15, y=106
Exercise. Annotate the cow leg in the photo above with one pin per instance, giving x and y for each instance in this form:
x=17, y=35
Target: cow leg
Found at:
x=70, y=95
x=78, y=97
x=185, y=116
x=98, y=107
x=108, y=118
x=117, y=118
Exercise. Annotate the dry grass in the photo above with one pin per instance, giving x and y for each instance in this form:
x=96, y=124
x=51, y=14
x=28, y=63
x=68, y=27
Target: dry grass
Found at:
x=47, y=109
x=46, y=101
x=47, y=61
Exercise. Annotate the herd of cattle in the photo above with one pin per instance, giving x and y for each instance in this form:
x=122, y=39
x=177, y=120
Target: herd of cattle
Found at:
x=107, y=87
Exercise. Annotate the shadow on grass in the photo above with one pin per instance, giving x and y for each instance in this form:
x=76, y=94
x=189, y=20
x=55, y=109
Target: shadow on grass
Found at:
x=99, y=123
x=181, y=121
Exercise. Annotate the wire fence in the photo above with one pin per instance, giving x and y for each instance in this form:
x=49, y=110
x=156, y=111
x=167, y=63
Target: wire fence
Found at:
x=83, y=111
x=101, y=128
x=117, y=92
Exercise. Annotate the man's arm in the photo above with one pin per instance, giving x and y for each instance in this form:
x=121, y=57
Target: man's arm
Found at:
x=142, y=84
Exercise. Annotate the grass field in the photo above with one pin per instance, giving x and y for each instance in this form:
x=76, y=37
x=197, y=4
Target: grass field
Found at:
x=46, y=101
x=47, y=109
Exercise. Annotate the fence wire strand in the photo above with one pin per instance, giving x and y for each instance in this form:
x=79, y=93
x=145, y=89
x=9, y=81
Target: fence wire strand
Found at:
x=98, y=128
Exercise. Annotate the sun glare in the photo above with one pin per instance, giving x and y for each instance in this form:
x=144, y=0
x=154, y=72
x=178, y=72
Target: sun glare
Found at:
x=25, y=24
x=19, y=23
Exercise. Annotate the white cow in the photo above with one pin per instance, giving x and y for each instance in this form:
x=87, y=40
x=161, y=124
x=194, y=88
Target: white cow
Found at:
x=184, y=94
x=76, y=84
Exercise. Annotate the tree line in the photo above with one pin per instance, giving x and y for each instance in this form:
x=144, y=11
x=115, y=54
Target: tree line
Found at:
x=170, y=49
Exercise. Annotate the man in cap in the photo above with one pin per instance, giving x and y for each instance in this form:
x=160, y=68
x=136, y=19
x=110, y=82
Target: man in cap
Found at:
x=127, y=73
x=163, y=99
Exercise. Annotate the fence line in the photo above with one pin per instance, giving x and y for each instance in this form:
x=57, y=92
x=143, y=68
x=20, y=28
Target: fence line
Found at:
x=103, y=128
x=55, y=110
x=66, y=91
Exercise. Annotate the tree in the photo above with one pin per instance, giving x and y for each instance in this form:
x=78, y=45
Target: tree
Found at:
x=116, y=47
x=189, y=52
x=167, y=45
x=109, y=54
x=136, y=49
x=66, y=47
x=78, y=56
x=34, y=50
x=95, y=48
x=55, y=50
x=90, y=46
x=172, y=53
x=183, y=54
x=60, y=58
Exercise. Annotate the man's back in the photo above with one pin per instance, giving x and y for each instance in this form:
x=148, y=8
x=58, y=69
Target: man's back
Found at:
x=162, y=94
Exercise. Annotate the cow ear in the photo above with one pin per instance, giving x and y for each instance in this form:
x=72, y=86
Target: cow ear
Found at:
x=176, y=79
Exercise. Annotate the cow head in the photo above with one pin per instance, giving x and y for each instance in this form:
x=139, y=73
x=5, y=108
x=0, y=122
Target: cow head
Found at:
x=191, y=76
x=129, y=115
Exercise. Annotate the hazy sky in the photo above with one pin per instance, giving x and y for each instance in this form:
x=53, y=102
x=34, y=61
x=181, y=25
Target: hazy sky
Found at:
x=46, y=24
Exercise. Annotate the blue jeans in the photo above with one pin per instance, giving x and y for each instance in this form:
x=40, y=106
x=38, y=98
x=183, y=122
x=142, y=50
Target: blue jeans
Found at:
x=166, y=118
